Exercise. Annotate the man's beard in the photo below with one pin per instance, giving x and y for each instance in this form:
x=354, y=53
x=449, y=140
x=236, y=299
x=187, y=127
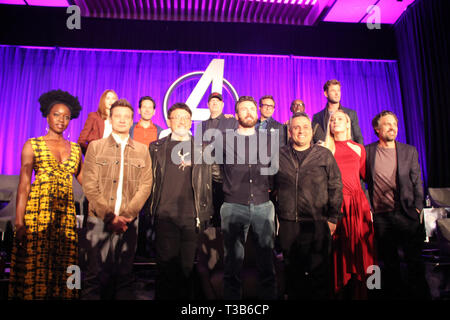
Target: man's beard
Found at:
x=248, y=123
x=331, y=100
x=389, y=138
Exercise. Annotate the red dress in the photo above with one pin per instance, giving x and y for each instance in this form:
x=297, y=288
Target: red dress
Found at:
x=353, y=248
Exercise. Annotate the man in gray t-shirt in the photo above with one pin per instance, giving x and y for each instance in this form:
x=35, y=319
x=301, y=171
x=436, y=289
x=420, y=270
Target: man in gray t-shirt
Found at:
x=396, y=196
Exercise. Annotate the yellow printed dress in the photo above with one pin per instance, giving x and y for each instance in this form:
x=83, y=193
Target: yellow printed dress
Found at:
x=39, y=266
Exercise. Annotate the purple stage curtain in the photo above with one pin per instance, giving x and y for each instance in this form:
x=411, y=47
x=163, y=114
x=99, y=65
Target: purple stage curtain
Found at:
x=423, y=43
x=368, y=86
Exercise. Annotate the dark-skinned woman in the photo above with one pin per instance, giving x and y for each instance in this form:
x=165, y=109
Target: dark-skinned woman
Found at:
x=45, y=238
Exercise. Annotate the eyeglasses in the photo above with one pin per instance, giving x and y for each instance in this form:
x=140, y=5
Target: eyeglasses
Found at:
x=298, y=105
x=178, y=118
x=268, y=106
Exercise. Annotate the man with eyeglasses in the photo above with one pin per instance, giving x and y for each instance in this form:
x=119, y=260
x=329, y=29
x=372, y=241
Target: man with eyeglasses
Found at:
x=298, y=106
x=266, y=122
x=181, y=204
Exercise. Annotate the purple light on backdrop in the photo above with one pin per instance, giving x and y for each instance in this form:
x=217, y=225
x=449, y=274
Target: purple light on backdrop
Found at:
x=369, y=86
x=353, y=11
x=218, y=54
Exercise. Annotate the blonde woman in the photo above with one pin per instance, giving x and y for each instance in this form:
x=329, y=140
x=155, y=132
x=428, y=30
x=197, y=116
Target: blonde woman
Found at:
x=97, y=125
x=353, y=240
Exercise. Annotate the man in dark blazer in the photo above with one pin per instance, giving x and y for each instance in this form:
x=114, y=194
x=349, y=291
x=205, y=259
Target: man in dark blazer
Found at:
x=266, y=122
x=332, y=91
x=396, y=196
x=217, y=119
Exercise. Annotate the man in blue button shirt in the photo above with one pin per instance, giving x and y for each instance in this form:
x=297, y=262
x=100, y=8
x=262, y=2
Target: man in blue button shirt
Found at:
x=266, y=122
x=249, y=164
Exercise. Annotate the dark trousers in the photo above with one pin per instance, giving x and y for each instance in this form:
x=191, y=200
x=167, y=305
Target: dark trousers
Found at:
x=109, y=261
x=218, y=199
x=236, y=221
x=146, y=235
x=396, y=231
x=306, y=252
x=176, y=246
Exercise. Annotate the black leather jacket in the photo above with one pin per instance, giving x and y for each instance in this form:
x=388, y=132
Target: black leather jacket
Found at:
x=312, y=191
x=201, y=181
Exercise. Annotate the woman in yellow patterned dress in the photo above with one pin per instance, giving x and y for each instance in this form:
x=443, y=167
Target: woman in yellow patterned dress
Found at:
x=45, y=242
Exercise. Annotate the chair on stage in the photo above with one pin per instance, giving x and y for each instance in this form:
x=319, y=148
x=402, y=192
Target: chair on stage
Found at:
x=440, y=198
x=8, y=193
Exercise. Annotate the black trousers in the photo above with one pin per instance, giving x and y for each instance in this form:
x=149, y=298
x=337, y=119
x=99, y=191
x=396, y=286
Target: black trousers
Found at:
x=306, y=250
x=146, y=236
x=176, y=246
x=396, y=231
x=218, y=199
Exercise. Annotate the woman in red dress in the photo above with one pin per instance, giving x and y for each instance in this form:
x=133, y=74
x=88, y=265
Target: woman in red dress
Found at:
x=353, y=250
x=97, y=125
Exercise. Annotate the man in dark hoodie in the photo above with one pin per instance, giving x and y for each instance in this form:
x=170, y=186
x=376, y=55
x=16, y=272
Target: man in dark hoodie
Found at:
x=308, y=187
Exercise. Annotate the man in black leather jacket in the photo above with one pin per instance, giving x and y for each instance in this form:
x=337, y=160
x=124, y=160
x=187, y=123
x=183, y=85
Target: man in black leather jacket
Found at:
x=308, y=187
x=181, y=204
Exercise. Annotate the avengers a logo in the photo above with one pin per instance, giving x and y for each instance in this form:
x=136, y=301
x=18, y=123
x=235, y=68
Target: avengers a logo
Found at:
x=212, y=75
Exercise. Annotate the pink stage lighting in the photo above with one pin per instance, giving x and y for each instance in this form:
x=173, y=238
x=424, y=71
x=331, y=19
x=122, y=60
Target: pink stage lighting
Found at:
x=18, y=2
x=299, y=2
x=48, y=3
x=354, y=11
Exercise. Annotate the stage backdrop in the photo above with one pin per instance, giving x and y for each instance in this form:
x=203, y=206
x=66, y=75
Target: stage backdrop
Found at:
x=368, y=86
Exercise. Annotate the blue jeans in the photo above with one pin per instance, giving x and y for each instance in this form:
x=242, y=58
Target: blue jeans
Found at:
x=236, y=221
